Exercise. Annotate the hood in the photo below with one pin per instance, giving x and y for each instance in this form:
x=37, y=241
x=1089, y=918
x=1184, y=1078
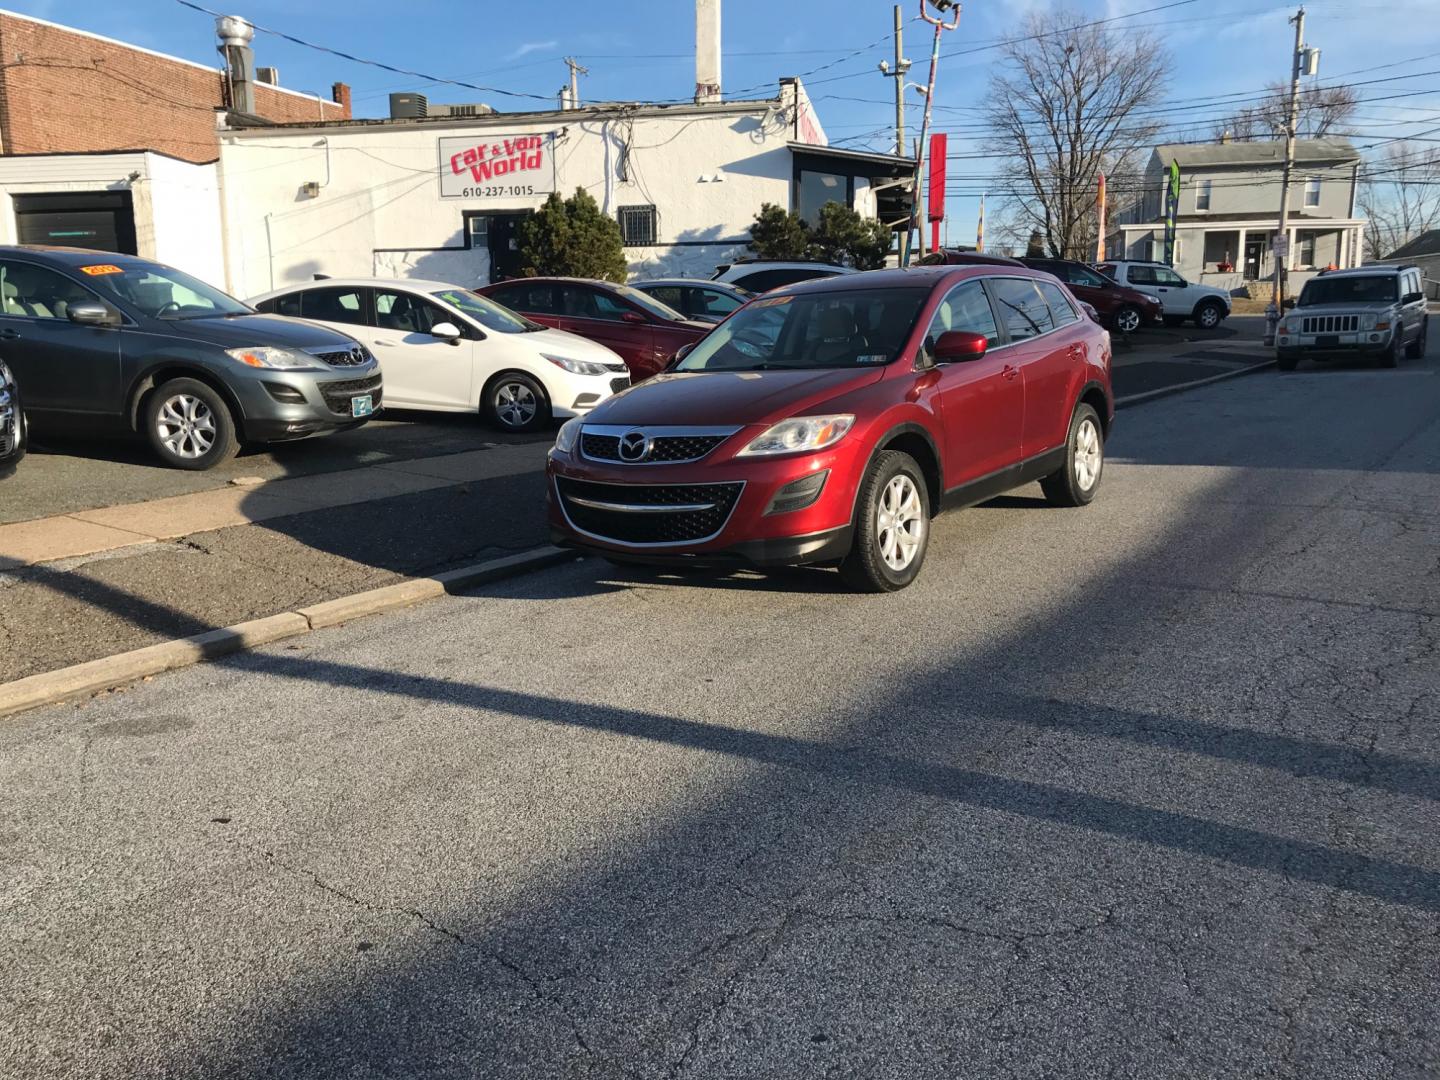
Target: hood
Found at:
x=1211, y=290
x=572, y=346
x=729, y=397
x=242, y=330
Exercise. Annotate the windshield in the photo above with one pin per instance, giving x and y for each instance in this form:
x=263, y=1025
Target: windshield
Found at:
x=812, y=330
x=487, y=312
x=1371, y=289
x=649, y=303
x=160, y=292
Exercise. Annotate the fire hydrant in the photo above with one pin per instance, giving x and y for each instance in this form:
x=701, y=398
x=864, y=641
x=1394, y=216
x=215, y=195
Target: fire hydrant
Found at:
x=1272, y=320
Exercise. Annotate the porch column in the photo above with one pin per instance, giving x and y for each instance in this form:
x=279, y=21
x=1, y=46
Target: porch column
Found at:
x=1239, y=260
x=1290, y=249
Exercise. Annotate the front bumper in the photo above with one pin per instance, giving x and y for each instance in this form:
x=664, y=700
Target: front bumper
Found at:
x=1360, y=342
x=277, y=406
x=740, y=529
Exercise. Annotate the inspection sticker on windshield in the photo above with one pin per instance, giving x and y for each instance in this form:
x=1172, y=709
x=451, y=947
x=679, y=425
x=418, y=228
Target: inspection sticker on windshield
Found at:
x=872, y=358
x=102, y=268
x=773, y=301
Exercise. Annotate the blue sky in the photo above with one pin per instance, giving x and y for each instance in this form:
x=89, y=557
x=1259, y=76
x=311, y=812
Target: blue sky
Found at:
x=643, y=49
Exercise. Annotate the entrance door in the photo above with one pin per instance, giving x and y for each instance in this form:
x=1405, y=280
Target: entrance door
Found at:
x=1254, y=250
x=504, y=245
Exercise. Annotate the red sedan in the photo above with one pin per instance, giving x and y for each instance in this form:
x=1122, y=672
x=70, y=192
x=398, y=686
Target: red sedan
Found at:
x=642, y=330
x=829, y=421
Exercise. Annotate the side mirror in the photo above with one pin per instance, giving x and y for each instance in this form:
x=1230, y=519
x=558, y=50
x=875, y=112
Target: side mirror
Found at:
x=633, y=317
x=680, y=354
x=1287, y=303
x=446, y=331
x=89, y=313
x=959, y=345
x=1413, y=298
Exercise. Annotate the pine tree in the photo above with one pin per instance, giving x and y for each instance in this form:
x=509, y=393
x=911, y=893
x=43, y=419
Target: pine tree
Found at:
x=847, y=239
x=572, y=238
x=780, y=234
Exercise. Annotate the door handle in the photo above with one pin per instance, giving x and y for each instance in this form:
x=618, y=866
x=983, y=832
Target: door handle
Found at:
x=1009, y=371
x=9, y=334
x=378, y=342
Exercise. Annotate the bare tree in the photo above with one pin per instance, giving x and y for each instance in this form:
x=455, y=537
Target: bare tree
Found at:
x=1400, y=197
x=1324, y=111
x=1064, y=108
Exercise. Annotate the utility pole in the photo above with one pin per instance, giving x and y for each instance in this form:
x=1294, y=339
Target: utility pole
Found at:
x=1301, y=59
x=928, y=90
x=898, y=74
x=575, y=72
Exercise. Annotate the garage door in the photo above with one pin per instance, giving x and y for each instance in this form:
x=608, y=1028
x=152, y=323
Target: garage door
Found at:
x=102, y=220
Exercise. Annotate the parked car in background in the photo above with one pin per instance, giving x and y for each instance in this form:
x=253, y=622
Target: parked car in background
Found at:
x=12, y=422
x=956, y=257
x=100, y=339
x=442, y=347
x=1120, y=307
x=1179, y=299
x=704, y=301
x=1374, y=312
x=762, y=275
x=828, y=423
x=641, y=330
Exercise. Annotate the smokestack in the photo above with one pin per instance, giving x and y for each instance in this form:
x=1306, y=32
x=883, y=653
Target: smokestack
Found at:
x=235, y=35
x=707, y=51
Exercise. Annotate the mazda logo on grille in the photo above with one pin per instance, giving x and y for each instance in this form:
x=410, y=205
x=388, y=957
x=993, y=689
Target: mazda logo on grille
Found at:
x=634, y=445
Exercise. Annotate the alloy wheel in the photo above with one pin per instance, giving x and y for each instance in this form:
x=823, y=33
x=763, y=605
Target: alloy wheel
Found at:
x=186, y=426
x=899, y=523
x=1087, y=454
x=515, y=404
x=1127, y=321
x=1209, y=317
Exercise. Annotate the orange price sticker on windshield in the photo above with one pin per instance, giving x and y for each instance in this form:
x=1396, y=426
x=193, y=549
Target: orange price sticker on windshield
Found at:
x=772, y=301
x=102, y=268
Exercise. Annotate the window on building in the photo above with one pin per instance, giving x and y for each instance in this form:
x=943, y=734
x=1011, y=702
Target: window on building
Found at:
x=1312, y=191
x=1022, y=307
x=638, y=225
x=819, y=188
x=1307, y=249
x=1202, y=195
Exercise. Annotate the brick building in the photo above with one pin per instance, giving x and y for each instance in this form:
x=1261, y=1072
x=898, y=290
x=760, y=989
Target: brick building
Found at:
x=108, y=145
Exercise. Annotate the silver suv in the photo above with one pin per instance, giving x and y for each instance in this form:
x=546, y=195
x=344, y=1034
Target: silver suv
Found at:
x=1376, y=312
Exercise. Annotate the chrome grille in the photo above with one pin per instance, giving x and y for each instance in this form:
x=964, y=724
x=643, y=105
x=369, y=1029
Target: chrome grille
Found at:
x=355, y=356
x=1330, y=324
x=338, y=394
x=648, y=514
x=663, y=445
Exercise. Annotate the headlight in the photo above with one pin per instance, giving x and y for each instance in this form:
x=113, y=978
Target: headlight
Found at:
x=1367, y=322
x=800, y=434
x=568, y=435
x=269, y=356
x=576, y=367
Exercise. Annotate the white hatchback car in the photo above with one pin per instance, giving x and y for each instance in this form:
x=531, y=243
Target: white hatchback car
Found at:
x=446, y=348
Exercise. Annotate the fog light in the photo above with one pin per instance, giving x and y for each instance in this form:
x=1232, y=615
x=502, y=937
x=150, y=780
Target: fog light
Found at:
x=798, y=494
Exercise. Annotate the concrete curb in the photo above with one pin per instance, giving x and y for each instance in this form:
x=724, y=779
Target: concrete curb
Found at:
x=93, y=676
x=1180, y=388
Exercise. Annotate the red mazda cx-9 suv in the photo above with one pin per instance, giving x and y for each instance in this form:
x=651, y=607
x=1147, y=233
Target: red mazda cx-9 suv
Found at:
x=829, y=421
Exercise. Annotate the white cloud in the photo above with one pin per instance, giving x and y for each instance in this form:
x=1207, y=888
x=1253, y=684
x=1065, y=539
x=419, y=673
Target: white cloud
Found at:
x=530, y=47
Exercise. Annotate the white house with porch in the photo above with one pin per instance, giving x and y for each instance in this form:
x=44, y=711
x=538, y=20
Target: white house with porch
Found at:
x=1229, y=203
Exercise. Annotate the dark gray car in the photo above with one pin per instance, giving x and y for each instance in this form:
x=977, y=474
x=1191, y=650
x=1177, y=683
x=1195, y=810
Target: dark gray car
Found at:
x=107, y=341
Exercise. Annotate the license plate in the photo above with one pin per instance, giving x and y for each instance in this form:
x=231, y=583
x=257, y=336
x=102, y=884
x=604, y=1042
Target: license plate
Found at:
x=362, y=405
x=1327, y=340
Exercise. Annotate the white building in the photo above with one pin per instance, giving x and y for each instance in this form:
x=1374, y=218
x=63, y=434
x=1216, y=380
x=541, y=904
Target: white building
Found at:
x=439, y=197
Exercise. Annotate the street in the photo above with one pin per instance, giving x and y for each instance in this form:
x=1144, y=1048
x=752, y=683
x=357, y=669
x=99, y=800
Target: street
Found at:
x=1144, y=789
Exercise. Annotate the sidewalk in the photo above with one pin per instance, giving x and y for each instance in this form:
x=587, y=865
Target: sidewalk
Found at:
x=131, y=576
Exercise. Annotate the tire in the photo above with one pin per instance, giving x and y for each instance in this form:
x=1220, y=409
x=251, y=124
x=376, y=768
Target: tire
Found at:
x=1416, y=349
x=893, y=500
x=1209, y=314
x=189, y=425
x=1390, y=358
x=1286, y=363
x=1126, y=319
x=515, y=402
x=1076, y=483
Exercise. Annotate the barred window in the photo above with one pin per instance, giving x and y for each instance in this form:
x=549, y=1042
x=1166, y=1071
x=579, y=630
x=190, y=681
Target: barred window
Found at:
x=637, y=225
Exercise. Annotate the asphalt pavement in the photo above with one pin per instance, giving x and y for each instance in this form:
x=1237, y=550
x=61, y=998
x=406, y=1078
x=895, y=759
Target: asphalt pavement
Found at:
x=1147, y=789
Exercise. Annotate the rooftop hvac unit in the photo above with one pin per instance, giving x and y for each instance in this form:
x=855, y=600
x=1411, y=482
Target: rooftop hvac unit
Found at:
x=408, y=106
x=269, y=75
